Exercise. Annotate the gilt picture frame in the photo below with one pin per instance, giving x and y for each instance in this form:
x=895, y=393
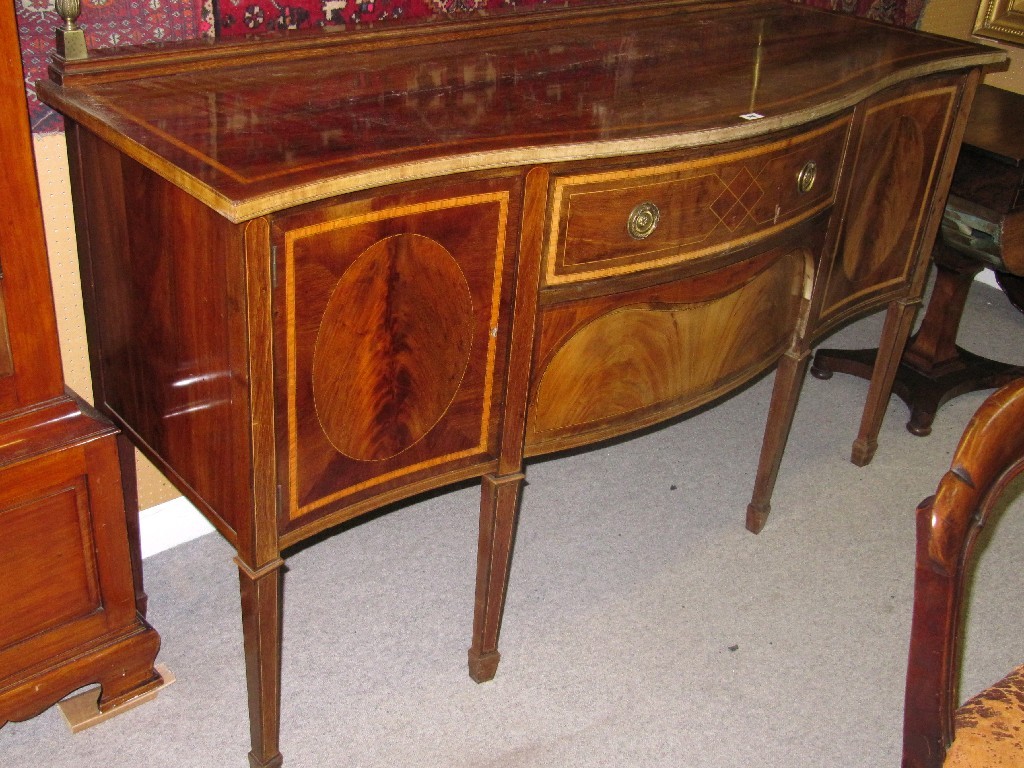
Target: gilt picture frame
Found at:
x=1001, y=20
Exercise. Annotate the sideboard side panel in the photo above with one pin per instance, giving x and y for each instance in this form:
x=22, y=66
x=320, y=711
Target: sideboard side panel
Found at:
x=166, y=327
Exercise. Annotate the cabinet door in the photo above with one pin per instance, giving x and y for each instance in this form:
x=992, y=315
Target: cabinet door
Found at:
x=611, y=364
x=391, y=341
x=898, y=157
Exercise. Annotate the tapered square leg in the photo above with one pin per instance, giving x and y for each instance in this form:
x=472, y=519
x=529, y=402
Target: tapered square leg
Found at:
x=785, y=394
x=499, y=502
x=261, y=632
x=898, y=321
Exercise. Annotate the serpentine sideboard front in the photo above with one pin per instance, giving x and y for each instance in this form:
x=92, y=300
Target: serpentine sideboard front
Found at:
x=326, y=272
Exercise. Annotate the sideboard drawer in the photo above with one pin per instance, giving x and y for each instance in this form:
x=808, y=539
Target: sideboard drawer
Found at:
x=642, y=217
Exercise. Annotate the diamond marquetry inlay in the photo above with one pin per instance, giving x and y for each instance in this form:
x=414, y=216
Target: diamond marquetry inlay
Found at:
x=752, y=195
x=742, y=181
x=724, y=203
x=739, y=197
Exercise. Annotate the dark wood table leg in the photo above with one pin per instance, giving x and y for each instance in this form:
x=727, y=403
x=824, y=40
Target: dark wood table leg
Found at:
x=261, y=632
x=499, y=502
x=933, y=368
x=785, y=394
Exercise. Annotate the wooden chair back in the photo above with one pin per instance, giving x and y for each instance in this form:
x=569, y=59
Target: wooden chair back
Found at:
x=989, y=456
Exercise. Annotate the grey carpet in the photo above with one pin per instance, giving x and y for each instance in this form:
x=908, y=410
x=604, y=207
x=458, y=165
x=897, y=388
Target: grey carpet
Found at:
x=644, y=626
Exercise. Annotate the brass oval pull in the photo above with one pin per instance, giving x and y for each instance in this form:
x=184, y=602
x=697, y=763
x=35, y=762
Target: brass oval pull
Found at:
x=643, y=220
x=805, y=179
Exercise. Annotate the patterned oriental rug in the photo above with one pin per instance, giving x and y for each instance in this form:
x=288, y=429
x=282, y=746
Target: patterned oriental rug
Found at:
x=240, y=17
x=110, y=23
x=902, y=13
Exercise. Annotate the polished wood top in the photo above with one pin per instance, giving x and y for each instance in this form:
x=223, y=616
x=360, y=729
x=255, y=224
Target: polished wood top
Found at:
x=289, y=120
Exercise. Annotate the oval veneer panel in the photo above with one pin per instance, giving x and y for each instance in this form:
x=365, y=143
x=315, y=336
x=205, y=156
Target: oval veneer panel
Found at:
x=392, y=347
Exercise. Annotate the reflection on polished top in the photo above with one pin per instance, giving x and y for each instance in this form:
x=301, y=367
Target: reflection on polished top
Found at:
x=253, y=131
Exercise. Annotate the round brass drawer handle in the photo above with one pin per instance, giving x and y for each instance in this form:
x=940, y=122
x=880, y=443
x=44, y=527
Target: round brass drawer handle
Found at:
x=643, y=220
x=805, y=179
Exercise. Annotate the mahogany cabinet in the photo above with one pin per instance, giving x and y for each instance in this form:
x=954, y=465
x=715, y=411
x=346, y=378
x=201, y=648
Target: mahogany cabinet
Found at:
x=70, y=588
x=466, y=243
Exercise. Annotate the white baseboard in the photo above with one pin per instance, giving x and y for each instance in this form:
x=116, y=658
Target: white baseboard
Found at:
x=988, y=277
x=169, y=524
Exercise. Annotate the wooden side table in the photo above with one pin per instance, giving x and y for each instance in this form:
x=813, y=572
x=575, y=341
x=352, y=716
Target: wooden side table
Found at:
x=983, y=227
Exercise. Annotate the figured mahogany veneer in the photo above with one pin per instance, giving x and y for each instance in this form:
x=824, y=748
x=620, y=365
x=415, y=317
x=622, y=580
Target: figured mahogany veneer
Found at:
x=392, y=322
x=612, y=364
x=462, y=243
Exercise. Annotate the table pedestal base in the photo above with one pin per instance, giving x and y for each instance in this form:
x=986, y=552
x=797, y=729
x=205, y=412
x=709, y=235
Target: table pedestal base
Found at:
x=923, y=392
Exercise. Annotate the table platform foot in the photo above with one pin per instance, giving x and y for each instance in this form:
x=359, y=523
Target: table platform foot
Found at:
x=82, y=710
x=856, y=362
x=924, y=392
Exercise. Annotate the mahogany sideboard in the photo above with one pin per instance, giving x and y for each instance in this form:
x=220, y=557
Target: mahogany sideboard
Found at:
x=71, y=599
x=327, y=272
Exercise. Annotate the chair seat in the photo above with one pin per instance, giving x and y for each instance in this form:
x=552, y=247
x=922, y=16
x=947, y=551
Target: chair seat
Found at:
x=989, y=728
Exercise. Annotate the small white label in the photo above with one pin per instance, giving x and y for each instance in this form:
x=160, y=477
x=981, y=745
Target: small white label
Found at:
x=752, y=116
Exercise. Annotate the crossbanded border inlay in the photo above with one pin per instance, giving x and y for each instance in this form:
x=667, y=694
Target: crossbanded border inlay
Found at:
x=295, y=511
